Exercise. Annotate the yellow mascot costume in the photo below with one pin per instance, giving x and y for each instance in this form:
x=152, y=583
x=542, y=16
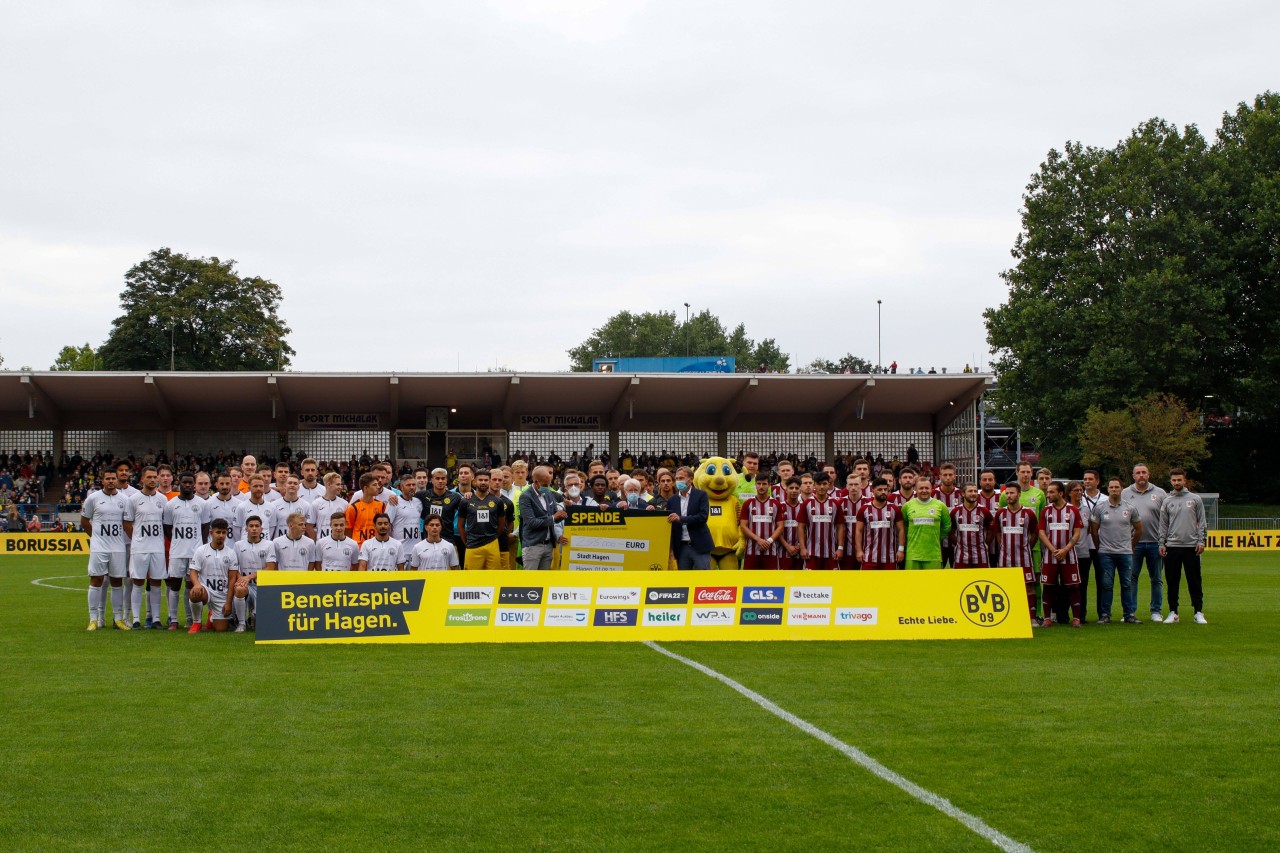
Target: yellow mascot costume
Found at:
x=719, y=479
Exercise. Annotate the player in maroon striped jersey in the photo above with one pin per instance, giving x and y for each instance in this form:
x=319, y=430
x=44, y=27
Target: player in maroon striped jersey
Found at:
x=951, y=495
x=906, y=484
x=761, y=521
x=785, y=472
x=822, y=527
x=1060, y=528
x=854, y=498
x=971, y=526
x=879, y=536
x=791, y=510
x=1016, y=530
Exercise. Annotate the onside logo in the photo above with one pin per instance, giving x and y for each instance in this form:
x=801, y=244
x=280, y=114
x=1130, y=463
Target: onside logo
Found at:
x=471, y=595
x=760, y=616
x=984, y=603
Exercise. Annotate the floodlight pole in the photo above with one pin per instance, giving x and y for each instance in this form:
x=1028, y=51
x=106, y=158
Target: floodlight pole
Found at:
x=172, y=326
x=879, y=354
x=686, y=329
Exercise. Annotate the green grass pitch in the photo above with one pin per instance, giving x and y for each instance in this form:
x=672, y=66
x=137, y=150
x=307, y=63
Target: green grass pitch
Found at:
x=1108, y=738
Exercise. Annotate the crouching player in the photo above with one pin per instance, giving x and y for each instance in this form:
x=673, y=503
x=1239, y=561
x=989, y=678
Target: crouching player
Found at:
x=254, y=554
x=433, y=553
x=214, y=570
x=1017, y=528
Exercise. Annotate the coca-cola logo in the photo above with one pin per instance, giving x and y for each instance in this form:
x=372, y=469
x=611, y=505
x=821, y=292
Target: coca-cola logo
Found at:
x=716, y=595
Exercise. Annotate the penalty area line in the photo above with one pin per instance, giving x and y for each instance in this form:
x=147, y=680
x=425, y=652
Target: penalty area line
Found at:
x=857, y=756
x=41, y=582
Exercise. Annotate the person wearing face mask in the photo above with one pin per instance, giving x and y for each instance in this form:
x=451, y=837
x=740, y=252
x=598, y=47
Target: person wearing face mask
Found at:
x=688, y=512
x=539, y=513
x=632, y=495
x=572, y=497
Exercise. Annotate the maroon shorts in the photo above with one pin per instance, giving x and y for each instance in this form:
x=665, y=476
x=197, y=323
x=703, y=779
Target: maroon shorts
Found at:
x=849, y=563
x=1028, y=573
x=758, y=562
x=789, y=563
x=1067, y=574
x=948, y=557
x=820, y=564
x=971, y=566
x=886, y=567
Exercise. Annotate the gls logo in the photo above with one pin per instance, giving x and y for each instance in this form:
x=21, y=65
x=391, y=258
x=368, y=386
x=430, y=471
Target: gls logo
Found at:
x=619, y=618
x=764, y=594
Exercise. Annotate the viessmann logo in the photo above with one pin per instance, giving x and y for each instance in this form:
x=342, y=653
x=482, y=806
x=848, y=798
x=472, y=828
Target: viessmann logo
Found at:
x=716, y=594
x=809, y=616
x=471, y=595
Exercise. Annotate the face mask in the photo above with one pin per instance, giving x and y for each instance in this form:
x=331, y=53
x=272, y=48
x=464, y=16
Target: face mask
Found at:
x=574, y=491
x=633, y=499
x=682, y=485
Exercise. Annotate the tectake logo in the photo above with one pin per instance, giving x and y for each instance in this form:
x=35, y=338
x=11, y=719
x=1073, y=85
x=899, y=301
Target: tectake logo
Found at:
x=621, y=617
x=471, y=595
x=712, y=616
x=716, y=594
x=667, y=595
x=617, y=595
x=660, y=616
x=520, y=617
x=520, y=595
x=760, y=616
x=857, y=615
x=565, y=617
x=569, y=595
x=763, y=594
x=466, y=616
x=808, y=615
x=809, y=595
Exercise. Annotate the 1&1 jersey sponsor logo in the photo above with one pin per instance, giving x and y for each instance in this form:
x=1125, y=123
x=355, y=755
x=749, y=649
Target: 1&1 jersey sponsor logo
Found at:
x=667, y=595
x=520, y=595
x=763, y=594
x=471, y=595
x=760, y=616
x=566, y=617
x=620, y=617
x=665, y=616
x=716, y=594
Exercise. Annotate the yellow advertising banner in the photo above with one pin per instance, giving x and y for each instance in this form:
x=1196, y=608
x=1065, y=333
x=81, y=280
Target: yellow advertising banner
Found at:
x=1242, y=540
x=43, y=544
x=616, y=540
x=518, y=606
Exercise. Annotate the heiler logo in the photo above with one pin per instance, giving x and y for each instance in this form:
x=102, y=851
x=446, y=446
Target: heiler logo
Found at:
x=565, y=617
x=760, y=616
x=810, y=595
x=569, y=595
x=664, y=616
x=763, y=594
x=667, y=595
x=471, y=595
x=618, y=595
x=712, y=616
x=716, y=594
x=520, y=595
x=616, y=618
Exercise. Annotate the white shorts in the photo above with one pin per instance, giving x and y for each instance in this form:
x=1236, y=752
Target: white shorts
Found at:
x=112, y=564
x=178, y=567
x=143, y=566
x=217, y=600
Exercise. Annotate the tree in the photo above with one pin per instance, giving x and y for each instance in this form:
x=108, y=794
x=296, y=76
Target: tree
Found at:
x=75, y=358
x=848, y=363
x=1147, y=268
x=1158, y=429
x=212, y=318
x=661, y=334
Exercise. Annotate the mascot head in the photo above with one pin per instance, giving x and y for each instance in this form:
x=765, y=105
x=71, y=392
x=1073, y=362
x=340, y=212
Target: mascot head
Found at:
x=717, y=477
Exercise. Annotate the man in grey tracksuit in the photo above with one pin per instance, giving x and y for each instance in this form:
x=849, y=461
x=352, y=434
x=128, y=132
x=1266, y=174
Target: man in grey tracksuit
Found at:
x=1182, y=535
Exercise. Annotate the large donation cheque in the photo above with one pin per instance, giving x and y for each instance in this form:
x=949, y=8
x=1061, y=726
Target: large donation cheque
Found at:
x=569, y=606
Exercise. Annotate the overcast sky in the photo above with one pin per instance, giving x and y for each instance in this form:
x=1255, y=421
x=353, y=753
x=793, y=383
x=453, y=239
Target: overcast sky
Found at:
x=485, y=183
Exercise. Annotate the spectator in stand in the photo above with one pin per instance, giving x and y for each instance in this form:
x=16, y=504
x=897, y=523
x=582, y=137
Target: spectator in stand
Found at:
x=33, y=525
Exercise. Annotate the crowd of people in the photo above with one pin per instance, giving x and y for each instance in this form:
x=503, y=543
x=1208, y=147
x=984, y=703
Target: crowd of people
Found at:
x=209, y=532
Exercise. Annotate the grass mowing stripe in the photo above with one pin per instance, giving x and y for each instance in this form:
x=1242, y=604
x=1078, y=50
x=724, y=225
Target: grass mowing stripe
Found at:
x=856, y=755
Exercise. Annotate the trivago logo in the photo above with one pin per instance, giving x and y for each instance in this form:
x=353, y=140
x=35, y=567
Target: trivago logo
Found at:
x=566, y=617
x=809, y=595
x=665, y=616
x=471, y=595
x=715, y=594
x=857, y=615
x=518, y=617
x=621, y=617
x=763, y=594
x=466, y=616
x=618, y=595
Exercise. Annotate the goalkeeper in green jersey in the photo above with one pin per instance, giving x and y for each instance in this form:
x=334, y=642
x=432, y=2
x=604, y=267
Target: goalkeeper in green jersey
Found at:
x=928, y=523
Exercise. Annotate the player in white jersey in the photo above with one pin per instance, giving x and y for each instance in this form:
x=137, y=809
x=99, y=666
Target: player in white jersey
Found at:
x=276, y=491
x=204, y=485
x=253, y=554
x=213, y=572
x=310, y=487
x=406, y=518
x=327, y=506
x=185, y=528
x=124, y=471
x=102, y=517
x=290, y=502
x=381, y=553
x=223, y=503
x=295, y=551
x=433, y=553
x=336, y=552
x=256, y=504
x=144, y=524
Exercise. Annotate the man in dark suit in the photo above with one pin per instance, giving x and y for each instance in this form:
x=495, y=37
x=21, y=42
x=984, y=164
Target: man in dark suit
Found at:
x=690, y=539
x=539, y=512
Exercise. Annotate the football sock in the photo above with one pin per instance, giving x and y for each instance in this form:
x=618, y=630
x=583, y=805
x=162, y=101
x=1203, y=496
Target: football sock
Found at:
x=1077, y=606
x=135, y=598
x=173, y=604
x=117, y=605
x=1047, y=593
x=238, y=605
x=153, y=602
x=1031, y=599
x=95, y=602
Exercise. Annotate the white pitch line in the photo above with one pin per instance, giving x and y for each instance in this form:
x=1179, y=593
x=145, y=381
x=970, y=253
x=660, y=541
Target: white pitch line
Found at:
x=856, y=755
x=41, y=582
